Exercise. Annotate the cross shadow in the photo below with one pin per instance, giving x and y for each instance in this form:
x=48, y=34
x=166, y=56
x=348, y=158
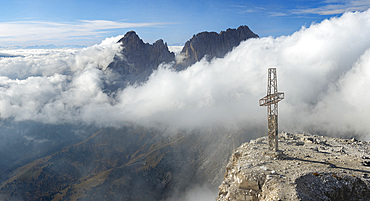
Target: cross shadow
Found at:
x=331, y=165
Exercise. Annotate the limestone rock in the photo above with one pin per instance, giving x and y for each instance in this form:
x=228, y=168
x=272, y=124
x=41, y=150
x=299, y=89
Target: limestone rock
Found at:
x=307, y=168
x=137, y=60
x=213, y=45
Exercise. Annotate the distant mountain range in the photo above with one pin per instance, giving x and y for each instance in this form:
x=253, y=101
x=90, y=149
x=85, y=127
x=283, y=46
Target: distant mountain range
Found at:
x=8, y=55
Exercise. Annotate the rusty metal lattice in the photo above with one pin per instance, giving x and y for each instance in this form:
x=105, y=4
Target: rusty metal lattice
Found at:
x=271, y=101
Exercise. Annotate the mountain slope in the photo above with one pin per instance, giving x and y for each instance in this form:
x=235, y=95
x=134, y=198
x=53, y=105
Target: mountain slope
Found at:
x=130, y=163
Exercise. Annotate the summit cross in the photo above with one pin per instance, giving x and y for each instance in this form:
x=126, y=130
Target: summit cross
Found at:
x=271, y=101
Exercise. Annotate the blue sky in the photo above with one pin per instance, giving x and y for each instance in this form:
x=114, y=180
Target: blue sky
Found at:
x=86, y=22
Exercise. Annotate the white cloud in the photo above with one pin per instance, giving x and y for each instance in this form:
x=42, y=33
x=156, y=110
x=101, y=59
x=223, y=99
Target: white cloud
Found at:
x=52, y=85
x=333, y=7
x=277, y=14
x=175, y=49
x=195, y=193
x=323, y=70
x=29, y=32
x=327, y=7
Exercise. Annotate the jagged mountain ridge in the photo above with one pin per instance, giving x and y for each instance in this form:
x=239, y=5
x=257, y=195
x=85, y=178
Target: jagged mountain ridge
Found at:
x=138, y=60
x=213, y=45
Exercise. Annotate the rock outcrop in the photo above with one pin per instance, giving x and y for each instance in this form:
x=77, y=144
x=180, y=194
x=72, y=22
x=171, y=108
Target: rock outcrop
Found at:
x=213, y=45
x=308, y=168
x=137, y=60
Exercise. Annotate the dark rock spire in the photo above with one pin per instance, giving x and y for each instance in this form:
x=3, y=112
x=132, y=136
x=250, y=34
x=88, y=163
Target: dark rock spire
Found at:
x=213, y=45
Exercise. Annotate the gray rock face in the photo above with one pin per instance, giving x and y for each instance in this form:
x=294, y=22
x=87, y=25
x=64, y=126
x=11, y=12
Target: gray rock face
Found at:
x=138, y=59
x=213, y=45
x=308, y=168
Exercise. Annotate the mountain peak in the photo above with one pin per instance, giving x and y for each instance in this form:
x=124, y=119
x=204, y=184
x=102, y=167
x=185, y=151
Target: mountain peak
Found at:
x=130, y=34
x=131, y=39
x=137, y=60
x=213, y=44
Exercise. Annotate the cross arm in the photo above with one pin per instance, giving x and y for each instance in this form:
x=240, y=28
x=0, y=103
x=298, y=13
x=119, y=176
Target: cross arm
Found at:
x=271, y=99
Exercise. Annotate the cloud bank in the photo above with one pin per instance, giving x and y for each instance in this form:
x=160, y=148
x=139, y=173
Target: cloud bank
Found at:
x=324, y=71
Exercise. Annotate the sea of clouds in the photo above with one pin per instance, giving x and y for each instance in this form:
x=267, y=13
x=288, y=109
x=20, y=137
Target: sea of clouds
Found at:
x=324, y=71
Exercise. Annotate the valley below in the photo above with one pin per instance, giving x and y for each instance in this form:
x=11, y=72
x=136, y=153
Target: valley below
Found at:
x=129, y=163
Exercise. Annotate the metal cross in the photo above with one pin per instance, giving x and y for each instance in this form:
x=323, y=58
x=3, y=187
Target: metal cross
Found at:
x=271, y=101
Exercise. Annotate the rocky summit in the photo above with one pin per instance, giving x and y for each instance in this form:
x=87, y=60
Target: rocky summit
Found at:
x=137, y=60
x=213, y=45
x=308, y=167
